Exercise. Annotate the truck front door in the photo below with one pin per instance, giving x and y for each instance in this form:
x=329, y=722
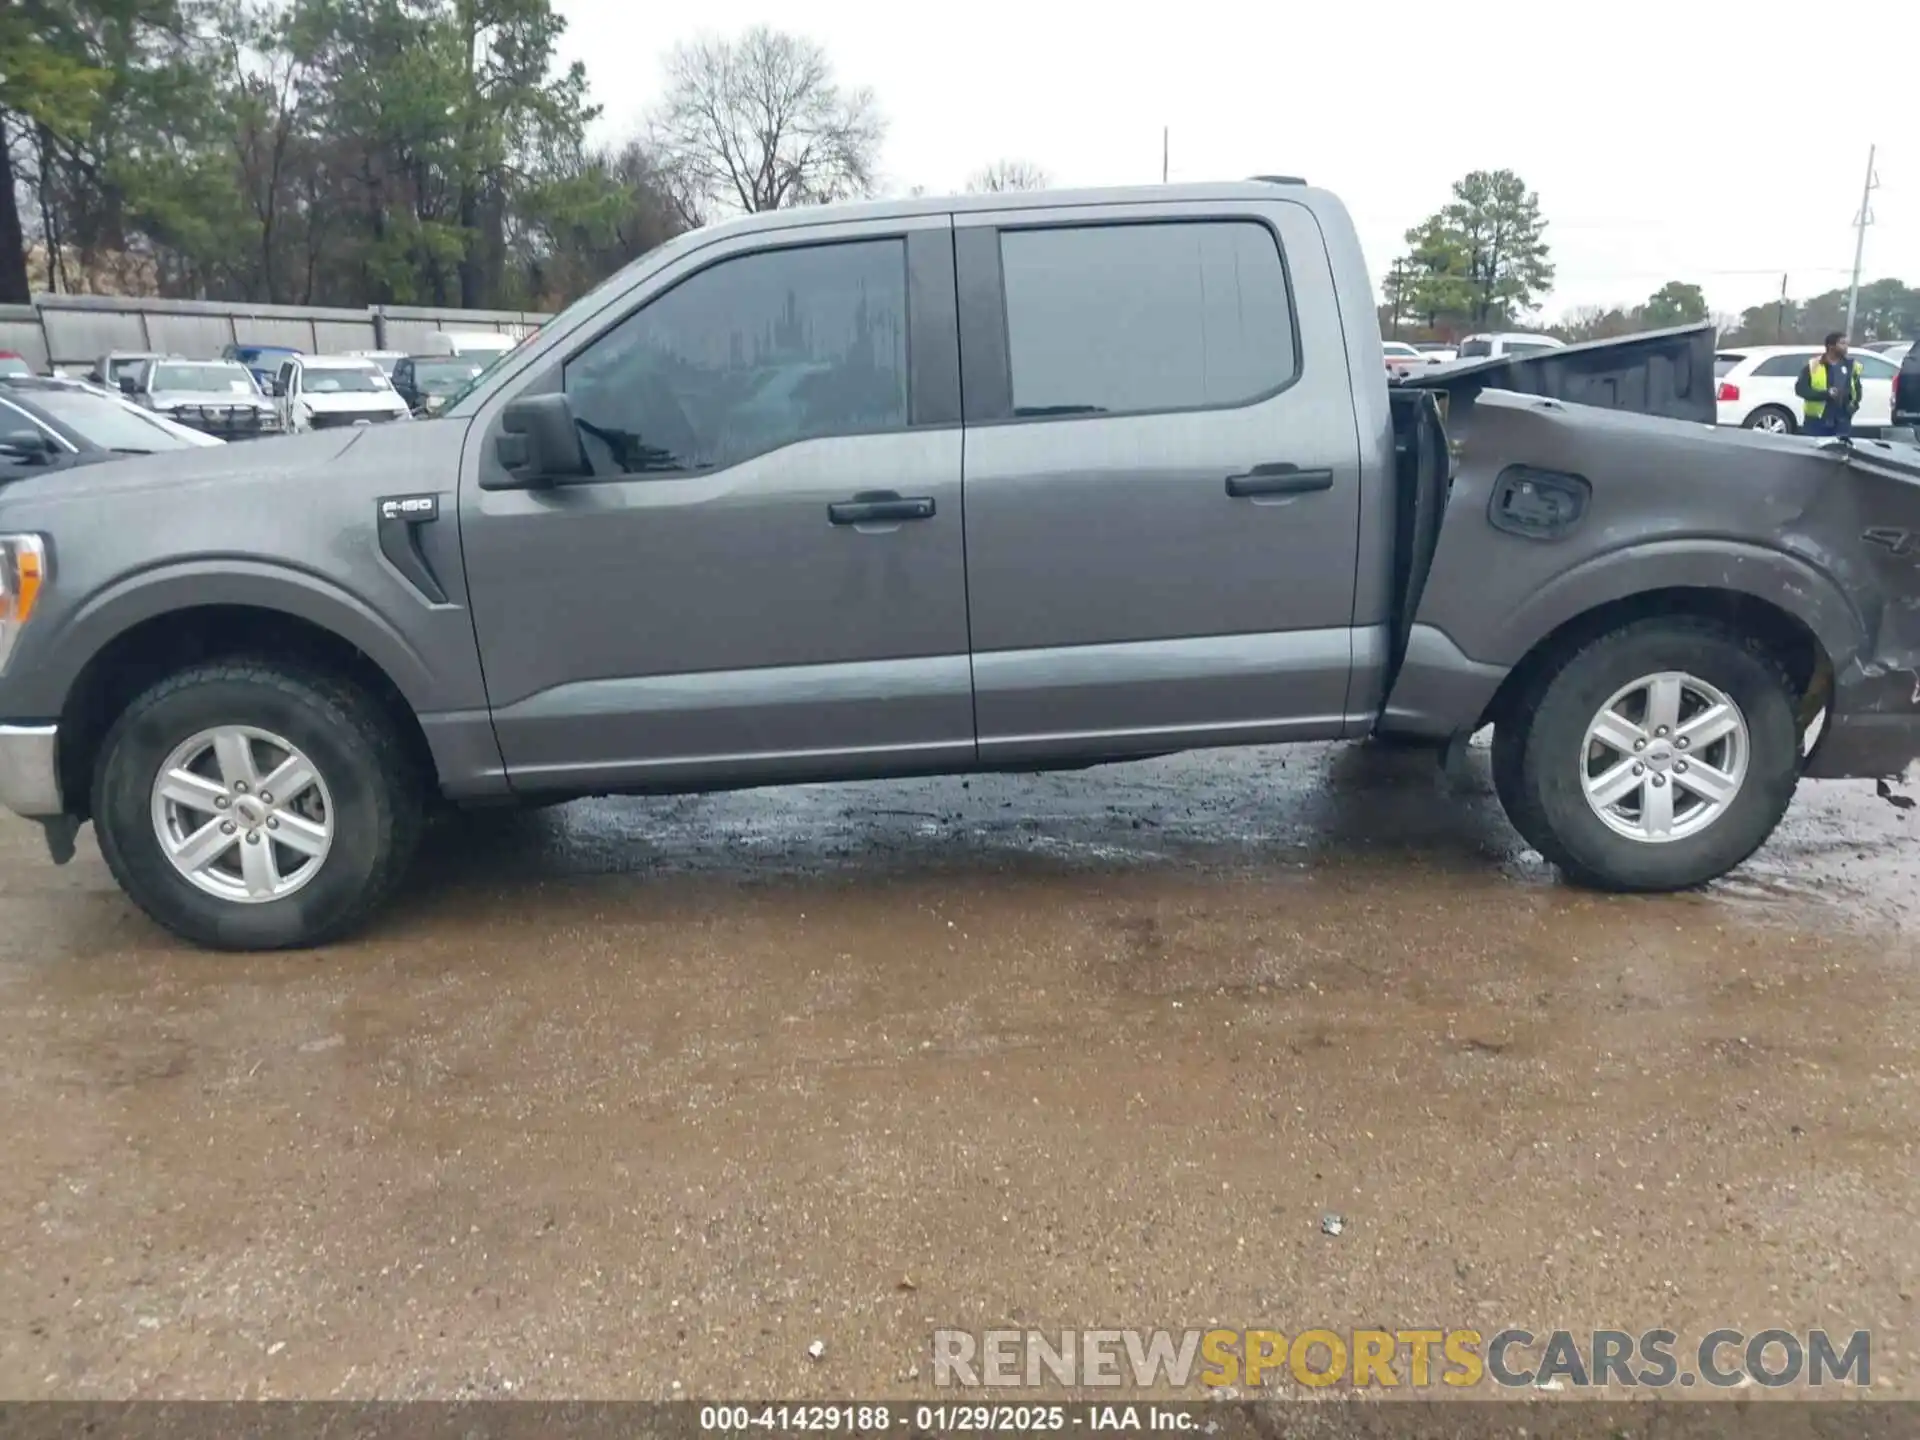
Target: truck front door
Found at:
x=762, y=578
x=1162, y=479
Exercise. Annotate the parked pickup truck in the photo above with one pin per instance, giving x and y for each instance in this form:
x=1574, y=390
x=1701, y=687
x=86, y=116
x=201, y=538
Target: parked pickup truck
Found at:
x=1011, y=482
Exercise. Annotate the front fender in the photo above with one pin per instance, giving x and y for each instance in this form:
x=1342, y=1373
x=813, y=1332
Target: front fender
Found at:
x=43, y=671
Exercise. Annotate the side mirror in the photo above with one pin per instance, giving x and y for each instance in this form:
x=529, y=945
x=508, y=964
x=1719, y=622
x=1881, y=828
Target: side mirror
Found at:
x=277, y=388
x=129, y=385
x=539, y=444
x=28, y=447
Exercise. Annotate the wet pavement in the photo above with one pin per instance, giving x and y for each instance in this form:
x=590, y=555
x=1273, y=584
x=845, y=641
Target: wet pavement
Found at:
x=643, y=1097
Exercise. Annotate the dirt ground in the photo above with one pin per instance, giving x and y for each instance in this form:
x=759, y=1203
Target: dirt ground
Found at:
x=643, y=1098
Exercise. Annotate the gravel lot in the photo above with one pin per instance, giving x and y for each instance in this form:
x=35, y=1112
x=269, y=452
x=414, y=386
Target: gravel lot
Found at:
x=642, y=1098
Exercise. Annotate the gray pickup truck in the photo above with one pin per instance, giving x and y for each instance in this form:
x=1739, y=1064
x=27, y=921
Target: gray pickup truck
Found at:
x=1001, y=483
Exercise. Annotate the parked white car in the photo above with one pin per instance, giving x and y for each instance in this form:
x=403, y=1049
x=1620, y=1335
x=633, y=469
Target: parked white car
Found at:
x=1494, y=345
x=1756, y=387
x=315, y=392
x=1402, y=357
x=468, y=344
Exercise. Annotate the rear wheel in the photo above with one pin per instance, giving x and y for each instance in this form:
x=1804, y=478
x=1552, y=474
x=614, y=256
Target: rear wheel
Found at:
x=1656, y=757
x=246, y=806
x=1776, y=419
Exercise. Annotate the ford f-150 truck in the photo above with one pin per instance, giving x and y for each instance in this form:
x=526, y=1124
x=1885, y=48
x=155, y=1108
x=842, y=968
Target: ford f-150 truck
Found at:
x=1010, y=482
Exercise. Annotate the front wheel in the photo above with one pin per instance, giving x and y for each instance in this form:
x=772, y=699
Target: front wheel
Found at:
x=247, y=806
x=1656, y=757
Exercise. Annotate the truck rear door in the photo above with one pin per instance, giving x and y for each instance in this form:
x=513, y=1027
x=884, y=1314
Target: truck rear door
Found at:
x=1161, y=478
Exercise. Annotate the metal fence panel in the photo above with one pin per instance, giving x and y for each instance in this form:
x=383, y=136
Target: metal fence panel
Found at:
x=272, y=330
x=75, y=330
x=199, y=337
x=79, y=337
x=333, y=337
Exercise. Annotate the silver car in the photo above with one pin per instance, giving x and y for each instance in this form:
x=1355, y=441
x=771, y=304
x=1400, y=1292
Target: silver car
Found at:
x=217, y=397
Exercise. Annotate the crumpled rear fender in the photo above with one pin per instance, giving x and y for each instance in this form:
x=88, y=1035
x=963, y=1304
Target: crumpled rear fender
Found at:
x=1828, y=535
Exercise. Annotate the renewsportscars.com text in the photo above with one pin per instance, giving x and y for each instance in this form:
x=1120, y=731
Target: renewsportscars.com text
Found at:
x=1413, y=1358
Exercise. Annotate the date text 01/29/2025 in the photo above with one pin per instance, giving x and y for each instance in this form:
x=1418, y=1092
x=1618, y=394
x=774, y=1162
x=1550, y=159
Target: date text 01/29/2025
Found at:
x=958, y=1419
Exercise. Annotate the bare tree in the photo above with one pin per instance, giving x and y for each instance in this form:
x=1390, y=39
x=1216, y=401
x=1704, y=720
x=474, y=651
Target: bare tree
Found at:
x=1008, y=175
x=760, y=123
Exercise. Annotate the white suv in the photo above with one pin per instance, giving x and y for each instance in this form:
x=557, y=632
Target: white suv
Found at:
x=1508, y=343
x=1756, y=387
x=315, y=392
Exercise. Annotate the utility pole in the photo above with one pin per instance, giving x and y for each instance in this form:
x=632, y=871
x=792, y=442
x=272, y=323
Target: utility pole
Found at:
x=1163, y=154
x=1780, y=314
x=1399, y=289
x=1860, y=224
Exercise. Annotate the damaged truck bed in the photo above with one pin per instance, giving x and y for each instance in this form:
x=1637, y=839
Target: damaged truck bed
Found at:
x=1630, y=501
x=1001, y=482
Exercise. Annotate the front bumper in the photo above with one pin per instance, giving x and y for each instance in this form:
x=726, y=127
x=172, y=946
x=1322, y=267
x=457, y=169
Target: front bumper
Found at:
x=226, y=422
x=30, y=770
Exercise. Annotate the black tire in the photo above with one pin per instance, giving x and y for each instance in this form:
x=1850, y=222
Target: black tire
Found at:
x=1536, y=752
x=375, y=788
x=1782, y=420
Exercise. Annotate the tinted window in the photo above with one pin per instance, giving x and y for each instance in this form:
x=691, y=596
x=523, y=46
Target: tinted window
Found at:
x=1783, y=366
x=1723, y=365
x=1476, y=349
x=1523, y=347
x=753, y=354
x=442, y=377
x=1115, y=318
x=1874, y=367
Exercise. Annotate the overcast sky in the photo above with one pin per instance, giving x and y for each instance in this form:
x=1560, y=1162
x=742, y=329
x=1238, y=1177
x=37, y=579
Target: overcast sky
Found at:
x=1659, y=145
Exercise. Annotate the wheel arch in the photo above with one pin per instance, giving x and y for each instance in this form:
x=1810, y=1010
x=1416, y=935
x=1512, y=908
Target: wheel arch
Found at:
x=152, y=642
x=1801, y=649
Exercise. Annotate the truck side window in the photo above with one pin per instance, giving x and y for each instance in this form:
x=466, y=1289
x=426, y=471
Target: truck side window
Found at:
x=1112, y=319
x=754, y=353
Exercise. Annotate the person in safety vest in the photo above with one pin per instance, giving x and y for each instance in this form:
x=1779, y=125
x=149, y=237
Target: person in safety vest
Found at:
x=1829, y=388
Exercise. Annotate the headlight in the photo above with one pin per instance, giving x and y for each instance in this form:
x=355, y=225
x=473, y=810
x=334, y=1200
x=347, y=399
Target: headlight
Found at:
x=23, y=571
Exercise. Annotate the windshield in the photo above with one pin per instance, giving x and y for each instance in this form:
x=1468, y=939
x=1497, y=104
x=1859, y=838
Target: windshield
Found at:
x=1476, y=347
x=208, y=378
x=343, y=380
x=485, y=370
x=125, y=365
x=444, y=377
x=108, y=423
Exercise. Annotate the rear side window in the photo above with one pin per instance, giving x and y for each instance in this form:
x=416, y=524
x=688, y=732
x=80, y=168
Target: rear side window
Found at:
x=1476, y=349
x=1119, y=319
x=1782, y=366
x=1875, y=367
x=1723, y=365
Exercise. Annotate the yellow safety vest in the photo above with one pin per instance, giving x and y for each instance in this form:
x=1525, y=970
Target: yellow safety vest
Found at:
x=1817, y=379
